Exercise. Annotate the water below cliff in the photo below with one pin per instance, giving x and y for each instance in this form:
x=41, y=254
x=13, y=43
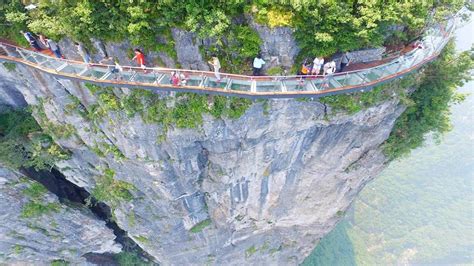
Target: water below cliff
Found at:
x=419, y=211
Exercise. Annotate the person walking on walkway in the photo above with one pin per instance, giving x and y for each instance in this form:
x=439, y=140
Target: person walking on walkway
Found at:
x=216, y=64
x=31, y=40
x=53, y=46
x=318, y=62
x=117, y=70
x=258, y=63
x=174, y=78
x=83, y=52
x=42, y=40
x=328, y=69
x=304, y=69
x=140, y=57
x=345, y=60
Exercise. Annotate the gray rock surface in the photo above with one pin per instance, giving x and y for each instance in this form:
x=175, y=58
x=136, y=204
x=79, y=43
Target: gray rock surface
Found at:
x=268, y=185
x=187, y=49
x=10, y=95
x=363, y=56
x=66, y=234
x=279, y=47
x=119, y=50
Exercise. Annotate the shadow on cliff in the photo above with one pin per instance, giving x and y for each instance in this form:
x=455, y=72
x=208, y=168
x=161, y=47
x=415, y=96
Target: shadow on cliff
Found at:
x=334, y=249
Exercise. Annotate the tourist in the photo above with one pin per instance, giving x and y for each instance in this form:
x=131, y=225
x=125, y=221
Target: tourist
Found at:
x=305, y=70
x=258, y=63
x=53, y=46
x=140, y=57
x=31, y=40
x=318, y=62
x=216, y=64
x=117, y=70
x=183, y=79
x=328, y=69
x=83, y=52
x=345, y=60
x=418, y=44
x=42, y=40
x=174, y=78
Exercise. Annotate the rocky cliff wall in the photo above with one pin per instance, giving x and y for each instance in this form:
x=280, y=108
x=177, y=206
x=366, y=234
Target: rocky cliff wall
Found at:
x=10, y=95
x=279, y=48
x=34, y=235
x=261, y=189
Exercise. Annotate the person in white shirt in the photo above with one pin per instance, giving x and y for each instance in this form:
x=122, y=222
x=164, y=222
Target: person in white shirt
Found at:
x=258, y=63
x=329, y=68
x=345, y=60
x=318, y=62
x=216, y=64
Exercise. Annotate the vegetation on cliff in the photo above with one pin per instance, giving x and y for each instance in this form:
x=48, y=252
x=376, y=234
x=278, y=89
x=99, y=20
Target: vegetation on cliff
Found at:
x=431, y=101
x=186, y=110
x=24, y=144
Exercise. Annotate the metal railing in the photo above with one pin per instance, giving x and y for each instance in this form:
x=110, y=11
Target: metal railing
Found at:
x=231, y=84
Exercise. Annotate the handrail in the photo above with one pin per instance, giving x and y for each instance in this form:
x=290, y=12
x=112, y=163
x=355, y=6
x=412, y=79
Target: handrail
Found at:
x=233, y=84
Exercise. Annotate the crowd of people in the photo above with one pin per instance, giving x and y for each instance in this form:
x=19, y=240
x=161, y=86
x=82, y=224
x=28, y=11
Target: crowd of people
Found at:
x=41, y=42
x=327, y=68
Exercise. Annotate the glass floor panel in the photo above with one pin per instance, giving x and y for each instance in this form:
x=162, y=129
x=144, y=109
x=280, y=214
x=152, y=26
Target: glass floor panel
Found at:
x=353, y=80
x=165, y=80
x=95, y=73
x=53, y=64
x=334, y=83
x=373, y=74
x=266, y=86
x=193, y=82
x=73, y=69
x=213, y=83
x=146, y=78
x=240, y=85
x=298, y=85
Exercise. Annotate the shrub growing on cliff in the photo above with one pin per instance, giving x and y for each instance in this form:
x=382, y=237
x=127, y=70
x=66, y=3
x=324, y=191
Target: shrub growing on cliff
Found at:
x=36, y=207
x=110, y=190
x=200, y=226
x=355, y=102
x=185, y=110
x=430, y=111
x=126, y=258
x=22, y=143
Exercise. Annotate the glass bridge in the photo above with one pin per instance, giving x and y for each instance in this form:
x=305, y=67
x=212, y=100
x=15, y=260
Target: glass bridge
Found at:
x=159, y=79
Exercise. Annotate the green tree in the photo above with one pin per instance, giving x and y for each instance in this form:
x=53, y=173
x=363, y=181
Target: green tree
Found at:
x=430, y=111
x=23, y=144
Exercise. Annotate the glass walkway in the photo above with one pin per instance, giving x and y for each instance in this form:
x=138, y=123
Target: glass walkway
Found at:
x=159, y=79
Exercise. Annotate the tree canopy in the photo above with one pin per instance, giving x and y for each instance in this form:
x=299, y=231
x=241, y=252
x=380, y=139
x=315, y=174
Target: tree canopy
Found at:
x=320, y=27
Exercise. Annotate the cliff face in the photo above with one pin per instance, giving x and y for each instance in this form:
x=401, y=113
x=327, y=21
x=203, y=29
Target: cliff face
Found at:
x=263, y=188
x=59, y=232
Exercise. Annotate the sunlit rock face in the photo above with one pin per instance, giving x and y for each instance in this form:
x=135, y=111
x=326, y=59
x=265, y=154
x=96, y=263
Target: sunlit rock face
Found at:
x=261, y=189
x=65, y=233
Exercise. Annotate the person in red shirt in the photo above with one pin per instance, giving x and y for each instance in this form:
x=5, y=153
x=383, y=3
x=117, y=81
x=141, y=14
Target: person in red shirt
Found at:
x=140, y=57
